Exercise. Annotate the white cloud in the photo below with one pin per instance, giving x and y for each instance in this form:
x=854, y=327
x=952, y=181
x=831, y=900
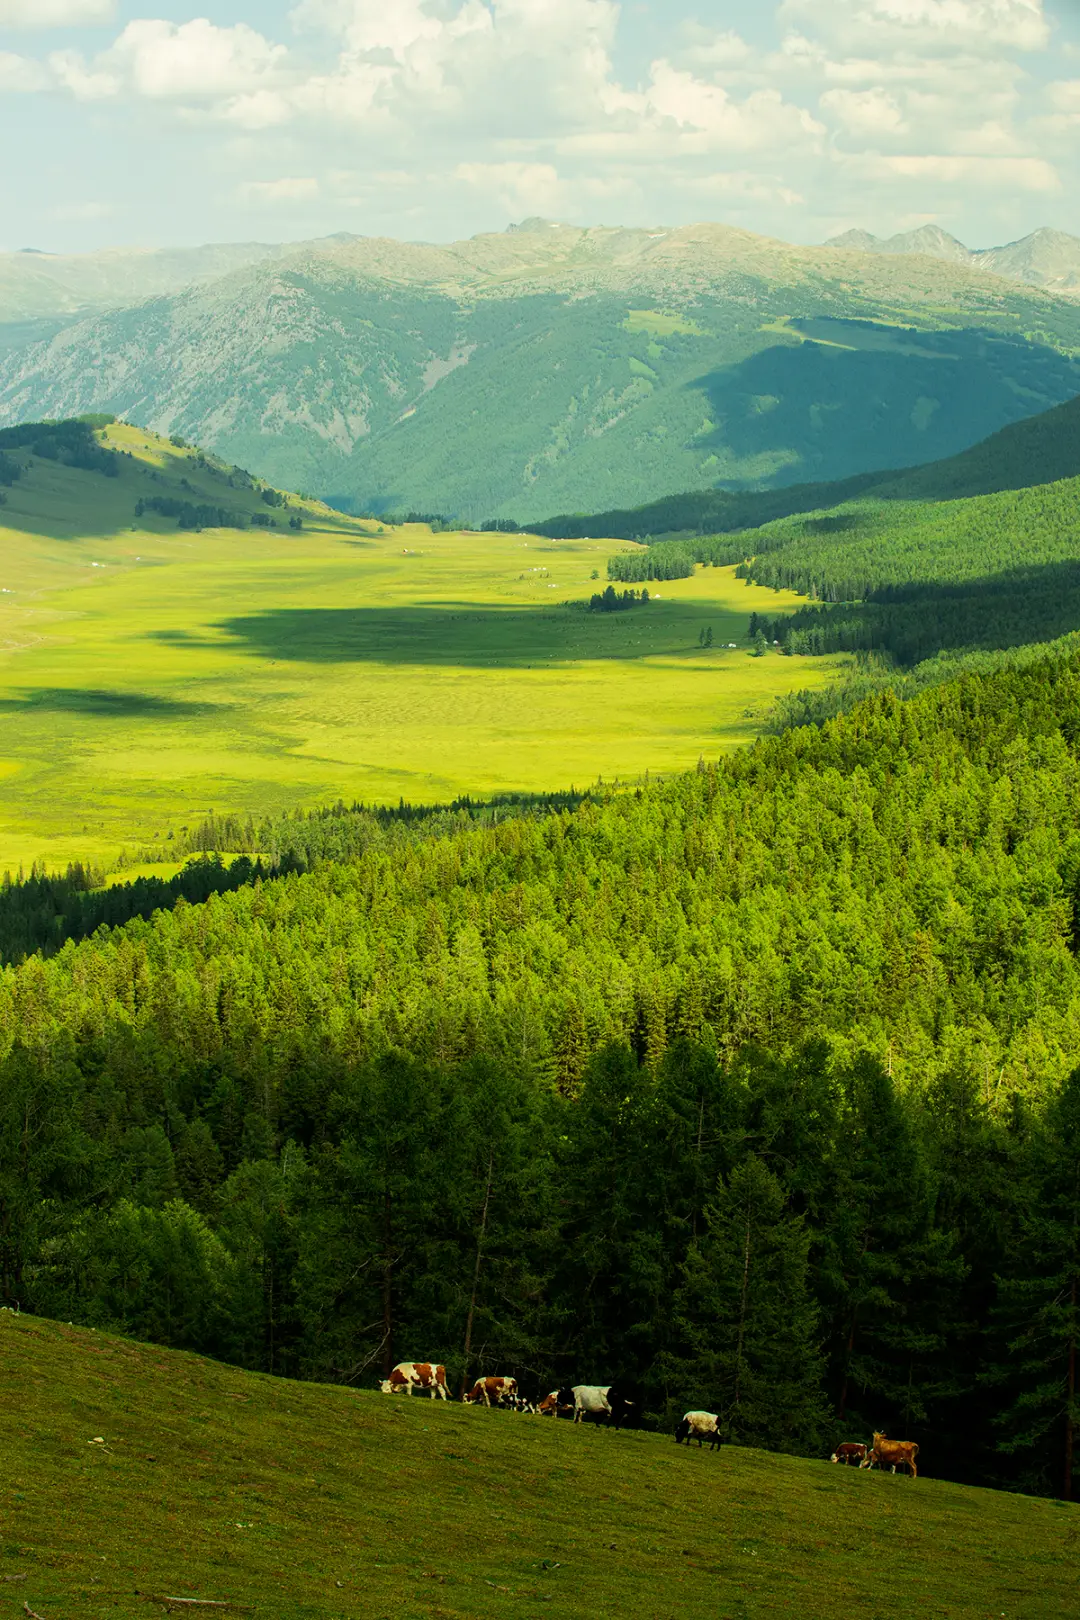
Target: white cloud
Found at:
x=762, y=122
x=419, y=111
x=55, y=13
x=234, y=71
x=923, y=26
x=1012, y=174
x=287, y=190
x=521, y=188
x=1064, y=96
x=85, y=83
x=865, y=114
x=500, y=66
x=195, y=61
x=21, y=74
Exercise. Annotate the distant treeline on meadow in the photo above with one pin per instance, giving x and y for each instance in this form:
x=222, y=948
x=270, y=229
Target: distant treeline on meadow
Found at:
x=70, y=442
x=755, y=1087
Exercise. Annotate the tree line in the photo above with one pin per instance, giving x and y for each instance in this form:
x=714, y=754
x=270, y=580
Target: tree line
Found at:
x=911, y=580
x=609, y=600
x=70, y=442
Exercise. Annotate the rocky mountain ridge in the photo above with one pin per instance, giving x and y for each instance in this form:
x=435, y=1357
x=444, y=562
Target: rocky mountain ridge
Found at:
x=1046, y=258
x=554, y=368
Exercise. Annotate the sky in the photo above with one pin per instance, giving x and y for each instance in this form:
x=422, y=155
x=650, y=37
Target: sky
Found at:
x=177, y=122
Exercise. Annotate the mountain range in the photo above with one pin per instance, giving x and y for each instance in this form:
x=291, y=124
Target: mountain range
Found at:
x=1045, y=258
x=545, y=368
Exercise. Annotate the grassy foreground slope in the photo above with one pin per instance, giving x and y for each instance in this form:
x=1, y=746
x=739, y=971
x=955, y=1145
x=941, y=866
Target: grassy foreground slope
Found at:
x=149, y=674
x=134, y=1473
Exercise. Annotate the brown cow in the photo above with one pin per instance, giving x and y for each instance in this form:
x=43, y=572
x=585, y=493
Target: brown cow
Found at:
x=849, y=1454
x=492, y=1391
x=554, y=1404
x=410, y=1375
x=894, y=1454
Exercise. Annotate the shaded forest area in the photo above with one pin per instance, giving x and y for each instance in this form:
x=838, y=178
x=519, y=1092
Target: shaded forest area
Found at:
x=754, y=1087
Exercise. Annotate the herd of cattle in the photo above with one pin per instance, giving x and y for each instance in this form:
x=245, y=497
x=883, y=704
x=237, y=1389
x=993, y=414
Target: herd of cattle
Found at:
x=606, y=1403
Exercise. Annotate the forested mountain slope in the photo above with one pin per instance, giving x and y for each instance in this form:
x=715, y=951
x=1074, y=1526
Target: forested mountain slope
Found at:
x=829, y=988
x=551, y=369
x=1039, y=450
x=978, y=553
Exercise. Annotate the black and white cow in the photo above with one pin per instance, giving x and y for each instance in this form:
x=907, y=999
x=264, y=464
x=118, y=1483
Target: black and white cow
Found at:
x=604, y=1403
x=699, y=1426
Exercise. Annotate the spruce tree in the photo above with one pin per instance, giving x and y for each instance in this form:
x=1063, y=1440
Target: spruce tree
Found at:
x=749, y=1323
x=1039, y=1307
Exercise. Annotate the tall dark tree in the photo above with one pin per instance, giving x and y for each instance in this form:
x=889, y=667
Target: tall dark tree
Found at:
x=1039, y=1308
x=748, y=1319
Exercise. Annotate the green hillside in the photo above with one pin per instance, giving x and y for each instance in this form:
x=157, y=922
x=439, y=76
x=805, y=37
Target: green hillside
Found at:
x=1040, y=450
x=170, y=644
x=134, y=1474
x=553, y=369
x=976, y=554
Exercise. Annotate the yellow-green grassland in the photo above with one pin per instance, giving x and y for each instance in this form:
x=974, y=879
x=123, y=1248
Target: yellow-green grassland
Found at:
x=133, y=1474
x=150, y=674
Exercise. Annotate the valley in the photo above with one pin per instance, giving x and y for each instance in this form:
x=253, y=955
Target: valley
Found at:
x=151, y=675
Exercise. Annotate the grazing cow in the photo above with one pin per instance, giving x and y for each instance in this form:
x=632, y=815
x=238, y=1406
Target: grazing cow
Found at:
x=520, y=1404
x=559, y=1401
x=587, y=1399
x=623, y=1404
x=410, y=1375
x=850, y=1454
x=892, y=1454
x=603, y=1402
x=493, y=1392
x=699, y=1426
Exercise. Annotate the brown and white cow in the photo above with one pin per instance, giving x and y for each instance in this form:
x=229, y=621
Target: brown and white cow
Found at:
x=409, y=1375
x=894, y=1454
x=492, y=1392
x=849, y=1454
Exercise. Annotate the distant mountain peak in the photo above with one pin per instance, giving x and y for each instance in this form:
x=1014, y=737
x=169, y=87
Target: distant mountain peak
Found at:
x=535, y=226
x=856, y=241
x=929, y=239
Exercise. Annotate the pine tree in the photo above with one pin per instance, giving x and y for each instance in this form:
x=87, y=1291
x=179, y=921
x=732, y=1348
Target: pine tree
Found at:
x=1039, y=1306
x=749, y=1322
x=887, y=1274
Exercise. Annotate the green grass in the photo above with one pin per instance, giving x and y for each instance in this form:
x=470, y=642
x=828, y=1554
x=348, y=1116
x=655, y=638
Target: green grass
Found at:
x=132, y=1473
x=150, y=675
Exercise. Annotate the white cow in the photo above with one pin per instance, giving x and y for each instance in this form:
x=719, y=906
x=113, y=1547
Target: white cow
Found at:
x=699, y=1426
x=591, y=1398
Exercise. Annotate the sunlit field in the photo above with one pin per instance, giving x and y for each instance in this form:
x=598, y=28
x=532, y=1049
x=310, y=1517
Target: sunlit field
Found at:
x=149, y=675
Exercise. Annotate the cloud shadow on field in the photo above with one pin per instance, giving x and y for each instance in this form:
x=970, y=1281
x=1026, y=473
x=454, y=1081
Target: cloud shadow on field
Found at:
x=461, y=634
x=103, y=704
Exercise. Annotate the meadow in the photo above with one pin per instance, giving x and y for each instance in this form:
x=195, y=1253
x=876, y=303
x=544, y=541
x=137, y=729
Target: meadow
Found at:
x=134, y=1474
x=150, y=675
